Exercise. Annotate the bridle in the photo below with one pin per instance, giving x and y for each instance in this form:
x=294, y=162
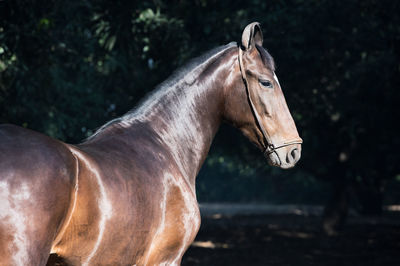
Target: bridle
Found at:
x=269, y=147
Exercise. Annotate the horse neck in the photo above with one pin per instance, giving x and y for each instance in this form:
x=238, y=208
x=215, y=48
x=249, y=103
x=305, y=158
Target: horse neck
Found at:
x=187, y=117
x=183, y=117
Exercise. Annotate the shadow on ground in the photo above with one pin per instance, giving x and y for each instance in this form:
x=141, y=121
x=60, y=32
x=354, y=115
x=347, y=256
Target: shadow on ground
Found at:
x=294, y=240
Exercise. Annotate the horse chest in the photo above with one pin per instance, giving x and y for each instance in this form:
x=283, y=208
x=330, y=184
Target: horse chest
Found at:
x=143, y=229
x=176, y=226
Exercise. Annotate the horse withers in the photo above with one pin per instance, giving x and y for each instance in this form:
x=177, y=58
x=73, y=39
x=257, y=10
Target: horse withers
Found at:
x=126, y=195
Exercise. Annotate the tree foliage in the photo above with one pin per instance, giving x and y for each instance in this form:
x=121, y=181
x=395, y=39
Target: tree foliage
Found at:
x=66, y=67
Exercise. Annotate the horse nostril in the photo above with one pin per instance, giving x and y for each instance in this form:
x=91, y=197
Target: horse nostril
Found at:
x=294, y=153
x=292, y=156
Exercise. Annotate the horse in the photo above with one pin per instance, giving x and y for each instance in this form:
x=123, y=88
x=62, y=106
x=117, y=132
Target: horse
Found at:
x=126, y=195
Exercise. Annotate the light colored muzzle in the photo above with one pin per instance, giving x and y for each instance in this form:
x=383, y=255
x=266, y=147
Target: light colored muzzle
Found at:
x=284, y=157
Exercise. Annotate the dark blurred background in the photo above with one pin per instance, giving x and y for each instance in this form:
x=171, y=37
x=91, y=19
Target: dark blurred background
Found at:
x=67, y=67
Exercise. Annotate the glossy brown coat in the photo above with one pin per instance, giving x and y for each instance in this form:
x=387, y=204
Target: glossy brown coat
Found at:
x=126, y=196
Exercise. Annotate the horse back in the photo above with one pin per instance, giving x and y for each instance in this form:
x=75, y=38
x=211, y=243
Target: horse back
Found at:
x=37, y=181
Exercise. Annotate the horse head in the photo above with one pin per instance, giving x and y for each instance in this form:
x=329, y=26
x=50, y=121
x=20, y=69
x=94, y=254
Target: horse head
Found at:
x=256, y=105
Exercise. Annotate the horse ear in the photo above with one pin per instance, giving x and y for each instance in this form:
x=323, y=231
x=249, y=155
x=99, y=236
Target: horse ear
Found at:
x=252, y=35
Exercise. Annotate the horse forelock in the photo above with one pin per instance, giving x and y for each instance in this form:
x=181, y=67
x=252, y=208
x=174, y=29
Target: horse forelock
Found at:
x=267, y=59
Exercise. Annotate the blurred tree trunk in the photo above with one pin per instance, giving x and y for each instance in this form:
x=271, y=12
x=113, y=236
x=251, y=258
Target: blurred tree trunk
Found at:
x=370, y=194
x=335, y=212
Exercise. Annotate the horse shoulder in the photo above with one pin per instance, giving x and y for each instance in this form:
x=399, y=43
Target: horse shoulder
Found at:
x=37, y=178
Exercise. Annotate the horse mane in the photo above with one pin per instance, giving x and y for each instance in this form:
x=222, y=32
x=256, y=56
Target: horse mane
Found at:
x=179, y=75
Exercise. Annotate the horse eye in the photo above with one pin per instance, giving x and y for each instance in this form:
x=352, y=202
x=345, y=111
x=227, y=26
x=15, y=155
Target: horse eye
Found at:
x=266, y=83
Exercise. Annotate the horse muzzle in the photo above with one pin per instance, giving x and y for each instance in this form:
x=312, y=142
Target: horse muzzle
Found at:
x=284, y=156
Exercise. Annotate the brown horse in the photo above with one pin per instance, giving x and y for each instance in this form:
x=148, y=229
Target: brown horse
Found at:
x=127, y=194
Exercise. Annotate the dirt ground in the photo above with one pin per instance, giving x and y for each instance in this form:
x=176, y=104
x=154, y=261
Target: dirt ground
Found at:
x=290, y=239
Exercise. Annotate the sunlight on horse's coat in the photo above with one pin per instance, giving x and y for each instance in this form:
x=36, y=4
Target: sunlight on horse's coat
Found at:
x=16, y=221
x=126, y=195
x=105, y=206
